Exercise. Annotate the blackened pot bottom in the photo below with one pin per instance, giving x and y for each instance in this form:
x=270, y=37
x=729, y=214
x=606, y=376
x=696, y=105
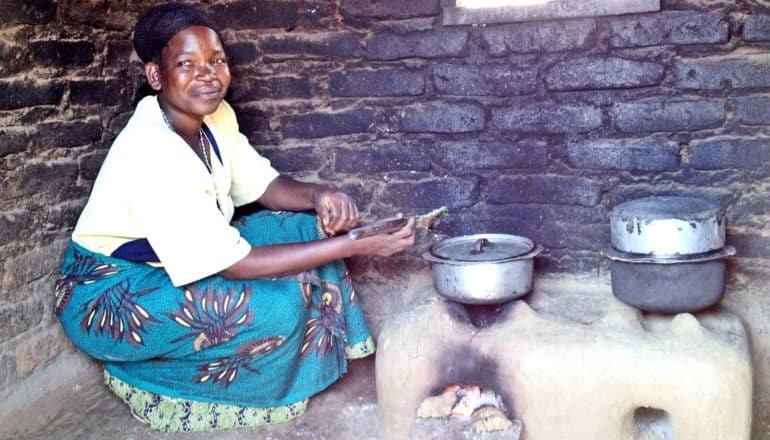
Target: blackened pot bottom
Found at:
x=669, y=288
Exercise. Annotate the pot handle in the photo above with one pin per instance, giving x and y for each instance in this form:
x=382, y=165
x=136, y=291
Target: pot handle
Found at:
x=479, y=245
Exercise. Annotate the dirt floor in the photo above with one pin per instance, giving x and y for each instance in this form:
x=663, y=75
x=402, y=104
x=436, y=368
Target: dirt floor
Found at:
x=49, y=406
x=347, y=410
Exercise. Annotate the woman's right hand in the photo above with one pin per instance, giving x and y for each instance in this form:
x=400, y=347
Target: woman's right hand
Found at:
x=385, y=245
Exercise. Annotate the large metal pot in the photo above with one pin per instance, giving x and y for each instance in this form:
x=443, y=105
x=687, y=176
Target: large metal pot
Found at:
x=483, y=268
x=667, y=226
x=669, y=285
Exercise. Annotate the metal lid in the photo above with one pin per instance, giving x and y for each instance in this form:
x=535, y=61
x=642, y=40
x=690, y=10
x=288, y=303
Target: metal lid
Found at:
x=626, y=257
x=667, y=207
x=482, y=247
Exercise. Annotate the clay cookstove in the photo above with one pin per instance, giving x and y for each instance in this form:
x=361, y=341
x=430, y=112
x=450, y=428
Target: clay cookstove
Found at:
x=570, y=362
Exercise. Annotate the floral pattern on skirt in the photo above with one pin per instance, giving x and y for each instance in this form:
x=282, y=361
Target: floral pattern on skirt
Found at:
x=216, y=353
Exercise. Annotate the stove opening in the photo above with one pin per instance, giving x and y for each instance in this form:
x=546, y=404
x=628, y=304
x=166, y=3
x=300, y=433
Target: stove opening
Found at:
x=483, y=315
x=461, y=407
x=652, y=424
x=467, y=399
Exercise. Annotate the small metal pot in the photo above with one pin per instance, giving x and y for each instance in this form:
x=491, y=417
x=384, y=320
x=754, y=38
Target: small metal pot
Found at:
x=483, y=268
x=669, y=285
x=667, y=226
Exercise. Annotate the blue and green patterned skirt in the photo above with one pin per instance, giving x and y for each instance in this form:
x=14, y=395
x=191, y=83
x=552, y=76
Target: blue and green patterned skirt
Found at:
x=216, y=353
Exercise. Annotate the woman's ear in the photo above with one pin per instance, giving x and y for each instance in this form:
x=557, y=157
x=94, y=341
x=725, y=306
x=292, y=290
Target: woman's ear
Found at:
x=152, y=72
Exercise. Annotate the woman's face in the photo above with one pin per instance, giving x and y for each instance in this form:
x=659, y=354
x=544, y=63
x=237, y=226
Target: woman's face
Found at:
x=193, y=75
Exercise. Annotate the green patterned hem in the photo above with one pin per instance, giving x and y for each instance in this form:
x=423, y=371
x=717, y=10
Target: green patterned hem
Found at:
x=360, y=350
x=170, y=414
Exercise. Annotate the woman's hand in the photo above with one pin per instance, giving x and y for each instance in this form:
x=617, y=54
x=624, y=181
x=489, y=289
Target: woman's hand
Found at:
x=385, y=245
x=336, y=209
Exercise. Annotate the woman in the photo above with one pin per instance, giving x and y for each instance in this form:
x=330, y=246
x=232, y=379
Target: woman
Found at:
x=203, y=324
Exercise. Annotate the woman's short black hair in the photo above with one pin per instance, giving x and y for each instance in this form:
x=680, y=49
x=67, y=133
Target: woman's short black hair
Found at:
x=158, y=25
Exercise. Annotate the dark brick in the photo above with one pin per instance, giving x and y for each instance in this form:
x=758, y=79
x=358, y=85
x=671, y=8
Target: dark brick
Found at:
x=119, y=121
x=32, y=265
x=524, y=154
x=27, y=12
x=624, y=155
x=13, y=224
x=484, y=80
x=316, y=125
x=631, y=117
x=756, y=28
x=361, y=192
x=292, y=160
x=711, y=73
x=742, y=153
x=561, y=261
x=241, y=53
x=63, y=217
x=18, y=94
x=119, y=54
x=753, y=110
x=404, y=26
x=99, y=14
x=429, y=194
x=17, y=318
x=381, y=82
x=552, y=36
x=540, y=214
x=100, y=92
x=565, y=190
x=458, y=224
x=91, y=163
x=15, y=59
x=55, y=179
x=750, y=209
x=389, y=8
x=13, y=141
x=67, y=134
x=750, y=245
x=547, y=118
x=63, y=53
x=427, y=44
x=603, y=73
x=260, y=14
x=382, y=158
x=556, y=234
x=255, y=124
x=318, y=14
x=334, y=45
x=254, y=89
x=439, y=118
x=671, y=27
x=34, y=115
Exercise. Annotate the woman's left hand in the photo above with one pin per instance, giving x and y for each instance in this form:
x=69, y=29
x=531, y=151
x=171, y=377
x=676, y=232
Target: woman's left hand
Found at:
x=336, y=209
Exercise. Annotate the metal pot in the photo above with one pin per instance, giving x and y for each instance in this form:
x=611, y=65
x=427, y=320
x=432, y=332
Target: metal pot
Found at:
x=667, y=226
x=669, y=285
x=483, y=268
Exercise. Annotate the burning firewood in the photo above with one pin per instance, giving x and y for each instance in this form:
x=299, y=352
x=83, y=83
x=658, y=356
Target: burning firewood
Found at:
x=489, y=418
x=439, y=406
x=473, y=397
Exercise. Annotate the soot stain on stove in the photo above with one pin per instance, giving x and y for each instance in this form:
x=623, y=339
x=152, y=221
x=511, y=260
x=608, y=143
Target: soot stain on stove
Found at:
x=465, y=365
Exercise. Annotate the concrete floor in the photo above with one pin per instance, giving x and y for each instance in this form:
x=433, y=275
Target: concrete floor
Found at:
x=347, y=410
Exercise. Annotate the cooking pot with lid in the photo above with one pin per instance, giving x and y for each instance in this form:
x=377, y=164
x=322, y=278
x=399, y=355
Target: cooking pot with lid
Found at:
x=483, y=268
x=667, y=226
x=668, y=253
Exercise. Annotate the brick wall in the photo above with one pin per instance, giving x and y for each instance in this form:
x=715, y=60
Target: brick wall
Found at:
x=532, y=128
